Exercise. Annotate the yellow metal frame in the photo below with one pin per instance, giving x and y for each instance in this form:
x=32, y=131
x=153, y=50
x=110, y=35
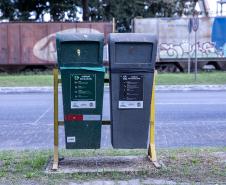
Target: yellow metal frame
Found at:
x=151, y=150
x=57, y=123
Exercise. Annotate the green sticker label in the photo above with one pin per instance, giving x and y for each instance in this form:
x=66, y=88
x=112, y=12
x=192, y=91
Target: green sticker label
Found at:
x=83, y=91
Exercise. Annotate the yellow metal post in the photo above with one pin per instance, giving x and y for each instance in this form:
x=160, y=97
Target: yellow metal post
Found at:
x=152, y=151
x=55, y=91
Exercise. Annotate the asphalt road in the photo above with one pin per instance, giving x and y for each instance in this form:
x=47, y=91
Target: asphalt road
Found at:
x=183, y=119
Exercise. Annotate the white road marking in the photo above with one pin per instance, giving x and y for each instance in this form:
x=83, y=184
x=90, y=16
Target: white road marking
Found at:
x=42, y=115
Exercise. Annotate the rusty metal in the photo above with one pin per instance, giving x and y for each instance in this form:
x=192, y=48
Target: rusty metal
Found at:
x=34, y=43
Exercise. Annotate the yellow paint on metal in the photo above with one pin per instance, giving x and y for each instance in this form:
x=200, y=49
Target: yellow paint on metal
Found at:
x=104, y=122
x=56, y=134
x=152, y=151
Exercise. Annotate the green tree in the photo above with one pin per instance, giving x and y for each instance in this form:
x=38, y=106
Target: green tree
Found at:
x=96, y=10
x=7, y=9
x=24, y=9
x=125, y=10
x=85, y=7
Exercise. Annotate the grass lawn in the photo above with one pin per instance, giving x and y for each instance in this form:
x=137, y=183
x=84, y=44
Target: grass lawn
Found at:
x=25, y=80
x=183, y=78
x=181, y=165
x=45, y=79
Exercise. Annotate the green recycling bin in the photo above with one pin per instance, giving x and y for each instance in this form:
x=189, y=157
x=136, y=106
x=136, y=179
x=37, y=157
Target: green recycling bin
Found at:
x=80, y=60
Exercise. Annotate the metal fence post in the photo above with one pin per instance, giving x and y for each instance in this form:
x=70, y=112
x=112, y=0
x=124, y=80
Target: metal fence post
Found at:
x=56, y=134
x=151, y=151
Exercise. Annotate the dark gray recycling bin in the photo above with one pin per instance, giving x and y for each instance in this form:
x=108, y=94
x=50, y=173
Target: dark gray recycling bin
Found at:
x=132, y=62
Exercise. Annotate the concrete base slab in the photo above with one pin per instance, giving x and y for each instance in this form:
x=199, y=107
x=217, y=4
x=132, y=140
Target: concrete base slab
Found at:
x=147, y=181
x=102, y=164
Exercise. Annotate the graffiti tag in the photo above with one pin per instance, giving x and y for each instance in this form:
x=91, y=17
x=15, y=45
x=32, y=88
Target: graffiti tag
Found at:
x=184, y=50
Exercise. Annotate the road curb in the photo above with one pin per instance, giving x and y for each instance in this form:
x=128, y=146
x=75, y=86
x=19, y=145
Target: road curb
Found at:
x=191, y=88
x=159, y=88
x=6, y=90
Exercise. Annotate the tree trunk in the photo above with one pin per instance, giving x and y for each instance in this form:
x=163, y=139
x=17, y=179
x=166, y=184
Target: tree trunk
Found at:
x=85, y=8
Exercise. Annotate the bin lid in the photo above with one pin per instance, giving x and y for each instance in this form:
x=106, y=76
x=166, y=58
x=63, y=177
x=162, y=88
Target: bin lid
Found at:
x=80, y=49
x=133, y=37
x=64, y=37
x=132, y=52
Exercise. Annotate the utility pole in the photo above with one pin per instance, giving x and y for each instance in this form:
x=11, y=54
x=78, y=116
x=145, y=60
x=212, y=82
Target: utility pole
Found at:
x=189, y=43
x=195, y=27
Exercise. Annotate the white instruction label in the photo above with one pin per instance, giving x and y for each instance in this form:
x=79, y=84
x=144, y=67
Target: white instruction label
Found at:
x=131, y=104
x=71, y=139
x=83, y=104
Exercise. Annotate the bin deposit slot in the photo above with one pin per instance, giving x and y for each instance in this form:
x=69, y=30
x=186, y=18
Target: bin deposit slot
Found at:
x=133, y=53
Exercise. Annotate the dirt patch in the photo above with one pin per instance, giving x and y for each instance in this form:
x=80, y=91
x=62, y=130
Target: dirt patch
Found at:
x=181, y=166
x=102, y=164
